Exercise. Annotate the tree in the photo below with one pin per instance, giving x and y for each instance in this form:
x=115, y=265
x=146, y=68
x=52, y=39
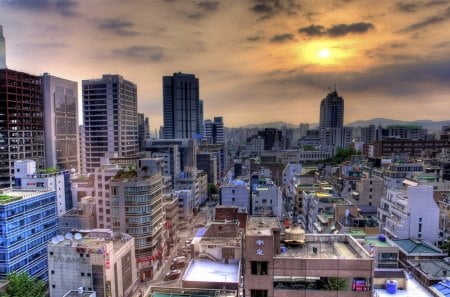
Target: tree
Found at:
x=22, y=285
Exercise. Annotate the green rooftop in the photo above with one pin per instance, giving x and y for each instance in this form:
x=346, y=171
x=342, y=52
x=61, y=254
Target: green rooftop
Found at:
x=157, y=294
x=7, y=198
x=357, y=233
x=416, y=247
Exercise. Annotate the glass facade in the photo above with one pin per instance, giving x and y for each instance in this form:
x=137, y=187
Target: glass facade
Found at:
x=26, y=226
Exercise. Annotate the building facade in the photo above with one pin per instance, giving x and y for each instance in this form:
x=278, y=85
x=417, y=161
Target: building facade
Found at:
x=2, y=49
x=96, y=260
x=62, y=145
x=182, y=107
x=214, y=130
x=236, y=193
x=22, y=125
x=110, y=119
x=28, y=220
x=331, y=112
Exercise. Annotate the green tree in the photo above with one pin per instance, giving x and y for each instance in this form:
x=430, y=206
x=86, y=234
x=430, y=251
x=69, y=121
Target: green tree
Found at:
x=342, y=155
x=22, y=285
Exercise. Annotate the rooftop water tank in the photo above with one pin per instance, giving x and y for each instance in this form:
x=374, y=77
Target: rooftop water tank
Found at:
x=391, y=286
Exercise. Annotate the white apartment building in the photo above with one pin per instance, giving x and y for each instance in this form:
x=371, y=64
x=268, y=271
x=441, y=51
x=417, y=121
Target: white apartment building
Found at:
x=267, y=199
x=236, y=193
x=410, y=212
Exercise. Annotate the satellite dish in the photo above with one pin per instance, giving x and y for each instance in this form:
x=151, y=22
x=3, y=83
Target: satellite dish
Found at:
x=77, y=236
x=55, y=240
x=60, y=238
x=69, y=235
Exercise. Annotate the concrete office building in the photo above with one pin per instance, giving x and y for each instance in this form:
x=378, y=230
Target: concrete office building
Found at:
x=331, y=113
x=182, y=107
x=28, y=222
x=26, y=178
x=62, y=149
x=137, y=209
x=214, y=130
x=22, y=125
x=207, y=162
x=96, y=260
x=323, y=265
x=110, y=119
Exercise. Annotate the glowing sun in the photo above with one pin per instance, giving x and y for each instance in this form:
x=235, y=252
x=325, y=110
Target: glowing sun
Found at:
x=324, y=53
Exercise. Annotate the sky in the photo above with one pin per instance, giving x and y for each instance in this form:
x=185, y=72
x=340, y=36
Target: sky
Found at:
x=257, y=60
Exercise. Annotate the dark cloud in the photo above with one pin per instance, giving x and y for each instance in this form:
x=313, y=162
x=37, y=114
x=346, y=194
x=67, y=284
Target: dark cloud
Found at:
x=336, y=30
x=253, y=38
x=397, y=44
x=64, y=7
x=406, y=7
x=393, y=79
x=436, y=3
x=118, y=26
x=280, y=38
x=195, y=16
x=140, y=53
x=344, y=29
x=267, y=9
x=312, y=30
x=209, y=5
x=433, y=20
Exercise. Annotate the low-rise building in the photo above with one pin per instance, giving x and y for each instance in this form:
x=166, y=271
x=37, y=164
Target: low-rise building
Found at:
x=323, y=265
x=95, y=260
x=235, y=193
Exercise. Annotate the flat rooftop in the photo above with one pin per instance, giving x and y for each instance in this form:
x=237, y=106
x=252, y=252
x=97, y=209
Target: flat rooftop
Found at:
x=74, y=293
x=94, y=241
x=327, y=250
x=210, y=271
x=262, y=225
x=414, y=289
x=8, y=196
x=376, y=242
x=189, y=292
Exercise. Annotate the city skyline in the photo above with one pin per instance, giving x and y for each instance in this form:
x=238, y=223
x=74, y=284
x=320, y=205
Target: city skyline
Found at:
x=251, y=57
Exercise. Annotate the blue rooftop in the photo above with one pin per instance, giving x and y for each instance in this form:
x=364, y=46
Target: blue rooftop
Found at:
x=441, y=288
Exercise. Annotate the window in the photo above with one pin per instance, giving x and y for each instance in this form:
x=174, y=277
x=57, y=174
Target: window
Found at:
x=52, y=272
x=233, y=199
x=51, y=253
x=88, y=274
x=53, y=286
x=82, y=274
x=259, y=268
x=81, y=255
x=258, y=293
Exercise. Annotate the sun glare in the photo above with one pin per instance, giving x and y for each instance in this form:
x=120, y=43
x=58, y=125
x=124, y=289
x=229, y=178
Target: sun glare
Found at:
x=324, y=53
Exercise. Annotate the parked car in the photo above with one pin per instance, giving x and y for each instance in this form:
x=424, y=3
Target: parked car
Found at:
x=177, y=265
x=173, y=274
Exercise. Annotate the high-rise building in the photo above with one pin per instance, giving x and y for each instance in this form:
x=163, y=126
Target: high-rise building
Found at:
x=143, y=130
x=61, y=123
x=22, y=122
x=331, y=112
x=110, y=119
x=214, y=130
x=182, y=107
x=2, y=49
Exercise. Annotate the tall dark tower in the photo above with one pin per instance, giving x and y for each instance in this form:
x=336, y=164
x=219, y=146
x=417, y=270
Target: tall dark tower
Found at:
x=182, y=108
x=331, y=112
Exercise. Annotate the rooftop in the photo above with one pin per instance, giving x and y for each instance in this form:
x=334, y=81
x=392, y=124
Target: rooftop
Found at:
x=75, y=293
x=262, y=225
x=210, y=271
x=441, y=288
x=93, y=241
x=414, y=289
x=413, y=246
x=437, y=268
x=11, y=195
x=188, y=292
x=375, y=242
x=328, y=249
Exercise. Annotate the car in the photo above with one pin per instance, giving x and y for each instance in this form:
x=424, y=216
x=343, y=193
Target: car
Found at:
x=173, y=274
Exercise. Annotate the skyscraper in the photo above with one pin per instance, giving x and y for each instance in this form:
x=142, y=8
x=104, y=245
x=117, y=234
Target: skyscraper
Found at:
x=331, y=111
x=61, y=123
x=22, y=122
x=182, y=108
x=144, y=130
x=110, y=119
x=332, y=120
x=2, y=49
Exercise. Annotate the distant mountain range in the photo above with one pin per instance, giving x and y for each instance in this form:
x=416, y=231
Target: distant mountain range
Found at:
x=432, y=126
